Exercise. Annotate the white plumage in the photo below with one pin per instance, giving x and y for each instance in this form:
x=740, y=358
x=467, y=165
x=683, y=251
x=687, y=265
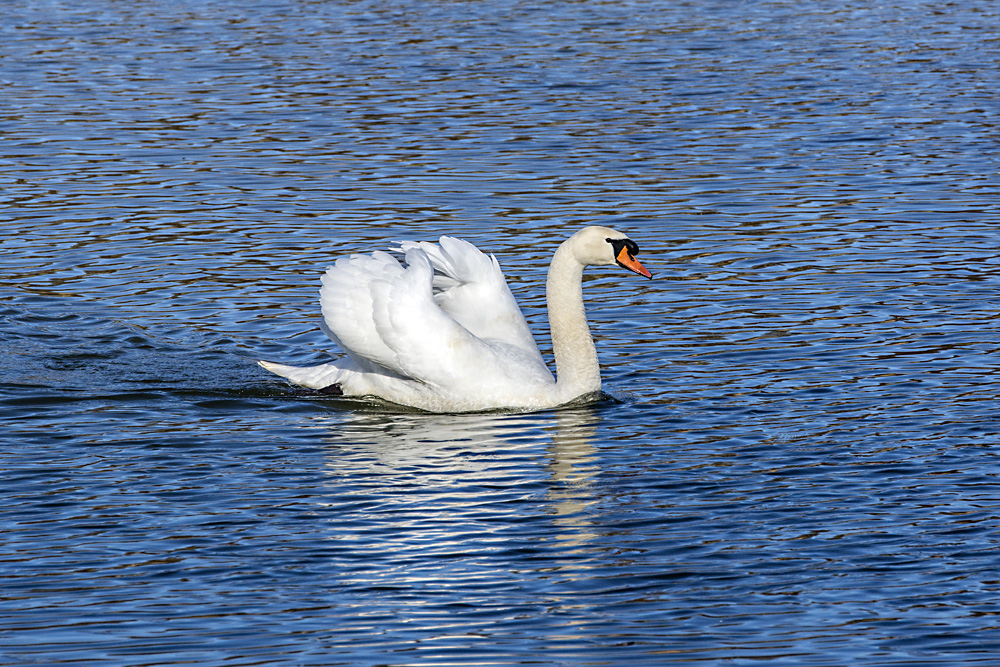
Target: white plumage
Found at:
x=443, y=333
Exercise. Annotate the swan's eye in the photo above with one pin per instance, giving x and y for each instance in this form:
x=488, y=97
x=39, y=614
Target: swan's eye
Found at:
x=628, y=244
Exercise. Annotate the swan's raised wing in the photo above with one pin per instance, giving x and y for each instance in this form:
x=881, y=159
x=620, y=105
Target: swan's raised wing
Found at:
x=470, y=287
x=347, y=302
x=428, y=343
x=386, y=318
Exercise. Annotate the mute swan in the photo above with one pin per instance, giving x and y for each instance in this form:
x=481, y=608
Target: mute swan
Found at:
x=444, y=334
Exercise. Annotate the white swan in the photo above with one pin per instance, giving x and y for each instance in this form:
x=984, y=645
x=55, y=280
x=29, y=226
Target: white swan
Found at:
x=443, y=333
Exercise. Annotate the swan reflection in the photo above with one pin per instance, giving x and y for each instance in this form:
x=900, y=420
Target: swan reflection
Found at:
x=572, y=467
x=472, y=464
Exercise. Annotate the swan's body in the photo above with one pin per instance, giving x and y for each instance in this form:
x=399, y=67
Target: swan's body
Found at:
x=443, y=333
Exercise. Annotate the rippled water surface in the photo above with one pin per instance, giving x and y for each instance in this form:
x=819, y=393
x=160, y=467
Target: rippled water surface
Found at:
x=799, y=462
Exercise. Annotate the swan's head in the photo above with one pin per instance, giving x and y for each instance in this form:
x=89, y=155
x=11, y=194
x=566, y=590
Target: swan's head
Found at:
x=603, y=246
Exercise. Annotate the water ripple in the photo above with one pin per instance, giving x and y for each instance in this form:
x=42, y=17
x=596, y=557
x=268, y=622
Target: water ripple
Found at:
x=796, y=461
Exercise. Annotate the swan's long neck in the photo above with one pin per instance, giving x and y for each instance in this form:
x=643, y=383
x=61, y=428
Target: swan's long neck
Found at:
x=577, y=368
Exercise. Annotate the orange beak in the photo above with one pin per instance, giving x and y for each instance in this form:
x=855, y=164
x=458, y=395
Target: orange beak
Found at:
x=631, y=263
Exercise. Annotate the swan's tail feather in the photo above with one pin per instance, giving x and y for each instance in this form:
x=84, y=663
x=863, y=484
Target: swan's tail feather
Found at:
x=314, y=377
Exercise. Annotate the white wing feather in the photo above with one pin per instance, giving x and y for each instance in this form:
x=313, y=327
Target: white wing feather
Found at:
x=471, y=288
x=347, y=302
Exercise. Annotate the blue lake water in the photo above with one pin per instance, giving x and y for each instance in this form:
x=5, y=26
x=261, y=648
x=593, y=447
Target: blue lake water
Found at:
x=798, y=459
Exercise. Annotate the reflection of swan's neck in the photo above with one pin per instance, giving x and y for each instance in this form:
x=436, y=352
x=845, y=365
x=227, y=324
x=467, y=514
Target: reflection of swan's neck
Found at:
x=577, y=369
